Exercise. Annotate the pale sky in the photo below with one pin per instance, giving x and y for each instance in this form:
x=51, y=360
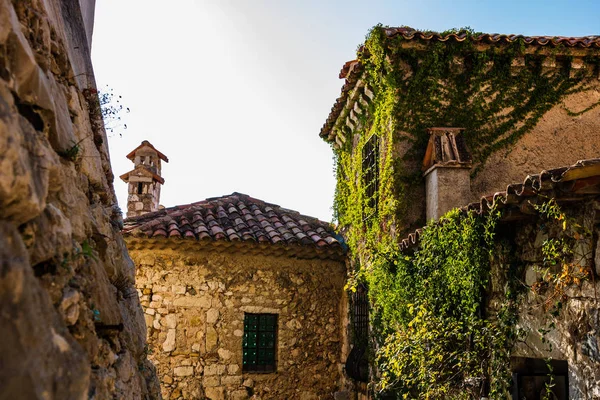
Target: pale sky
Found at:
x=235, y=92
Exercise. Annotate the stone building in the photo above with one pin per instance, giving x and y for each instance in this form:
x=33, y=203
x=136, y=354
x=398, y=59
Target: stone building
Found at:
x=427, y=122
x=573, y=344
x=70, y=320
x=242, y=298
x=405, y=84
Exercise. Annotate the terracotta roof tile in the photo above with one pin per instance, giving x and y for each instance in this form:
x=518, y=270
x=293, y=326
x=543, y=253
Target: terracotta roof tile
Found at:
x=235, y=218
x=578, y=182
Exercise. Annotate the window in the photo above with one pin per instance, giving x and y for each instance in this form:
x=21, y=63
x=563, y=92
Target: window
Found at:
x=357, y=366
x=139, y=188
x=370, y=174
x=533, y=378
x=259, y=343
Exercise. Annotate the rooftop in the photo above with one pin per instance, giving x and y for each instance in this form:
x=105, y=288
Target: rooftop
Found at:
x=236, y=220
x=575, y=183
x=352, y=70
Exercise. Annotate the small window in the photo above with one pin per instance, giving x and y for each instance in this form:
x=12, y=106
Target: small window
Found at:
x=539, y=379
x=140, y=187
x=357, y=366
x=370, y=174
x=259, y=344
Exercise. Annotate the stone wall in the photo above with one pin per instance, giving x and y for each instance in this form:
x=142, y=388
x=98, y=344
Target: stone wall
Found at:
x=558, y=140
x=573, y=334
x=195, y=303
x=70, y=319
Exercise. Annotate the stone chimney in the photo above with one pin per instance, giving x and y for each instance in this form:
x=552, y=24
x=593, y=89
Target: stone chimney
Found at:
x=447, y=166
x=144, y=179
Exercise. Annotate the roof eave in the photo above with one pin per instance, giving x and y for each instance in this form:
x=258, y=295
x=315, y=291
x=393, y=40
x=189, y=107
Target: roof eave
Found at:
x=335, y=253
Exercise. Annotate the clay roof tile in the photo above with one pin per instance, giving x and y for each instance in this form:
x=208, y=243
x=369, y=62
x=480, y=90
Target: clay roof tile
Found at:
x=237, y=217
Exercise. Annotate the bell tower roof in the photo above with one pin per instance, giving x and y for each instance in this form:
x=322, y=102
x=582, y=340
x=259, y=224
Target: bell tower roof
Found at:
x=146, y=144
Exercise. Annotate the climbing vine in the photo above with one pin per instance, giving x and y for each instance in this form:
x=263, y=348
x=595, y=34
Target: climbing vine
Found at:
x=424, y=84
x=428, y=313
x=435, y=335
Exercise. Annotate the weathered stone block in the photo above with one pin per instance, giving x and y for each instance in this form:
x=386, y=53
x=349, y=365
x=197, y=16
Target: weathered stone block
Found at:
x=178, y=289
x=224, y=354
x=239, y=395
x=232, y=380
x=214, y=369
x=69, y=306
x=233, y=369
x=183, y=371
x=211, y=381
x=215, y=393
x=169, y=344
x=192, y=301
x=212, y=338
x=171, y=321
x=212, y=315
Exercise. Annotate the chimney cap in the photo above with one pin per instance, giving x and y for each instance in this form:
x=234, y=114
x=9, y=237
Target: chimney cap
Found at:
x=146, y=143
x=446, y=147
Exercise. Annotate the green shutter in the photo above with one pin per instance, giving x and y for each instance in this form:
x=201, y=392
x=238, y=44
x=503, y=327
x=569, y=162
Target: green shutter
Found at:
x=259, y=343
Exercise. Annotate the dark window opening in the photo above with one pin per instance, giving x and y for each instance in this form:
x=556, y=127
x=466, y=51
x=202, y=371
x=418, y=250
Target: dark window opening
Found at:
x=370, y=174
x=357, y=366
x=140, y=187
x=535, y=378
x=259, y=343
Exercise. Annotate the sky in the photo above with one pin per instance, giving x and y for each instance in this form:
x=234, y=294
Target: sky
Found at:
x=235, y=92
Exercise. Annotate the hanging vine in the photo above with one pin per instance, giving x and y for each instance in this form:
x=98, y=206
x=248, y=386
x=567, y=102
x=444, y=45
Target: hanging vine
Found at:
x=434, y=336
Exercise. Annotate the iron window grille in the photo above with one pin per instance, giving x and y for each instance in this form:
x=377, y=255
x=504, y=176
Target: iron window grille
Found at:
x=370, y=174
x=259, y=343
x=357, y=366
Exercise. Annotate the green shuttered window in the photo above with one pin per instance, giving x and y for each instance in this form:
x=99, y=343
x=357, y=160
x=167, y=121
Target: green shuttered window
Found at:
x=259, y=345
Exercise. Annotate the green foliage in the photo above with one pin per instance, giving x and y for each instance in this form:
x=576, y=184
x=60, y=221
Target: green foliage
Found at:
x=433, y=338
x=112, y=110
x=561, y=267
x=454, y=84
x=427, y=311
x=72, y=153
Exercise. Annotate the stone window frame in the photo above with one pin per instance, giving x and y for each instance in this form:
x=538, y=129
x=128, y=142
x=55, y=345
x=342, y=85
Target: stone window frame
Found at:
x=266, y=353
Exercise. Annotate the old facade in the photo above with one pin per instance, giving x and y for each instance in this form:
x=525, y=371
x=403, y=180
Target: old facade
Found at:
x=242, y=299
x=71, y=323
x=406, y=83
x=428, y=122
x=568, y=335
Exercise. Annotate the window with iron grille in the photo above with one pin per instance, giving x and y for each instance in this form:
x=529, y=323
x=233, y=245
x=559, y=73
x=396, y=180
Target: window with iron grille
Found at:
x=357, y=366
x=259, y=343
x=370, y=174
x=539, y=379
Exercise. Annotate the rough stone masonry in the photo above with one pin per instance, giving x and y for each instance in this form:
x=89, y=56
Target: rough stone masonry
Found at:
x=70, y=319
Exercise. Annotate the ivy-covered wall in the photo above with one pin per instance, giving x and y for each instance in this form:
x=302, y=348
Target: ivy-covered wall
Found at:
x=449, y=318
x=524, y=108
x=445, y=318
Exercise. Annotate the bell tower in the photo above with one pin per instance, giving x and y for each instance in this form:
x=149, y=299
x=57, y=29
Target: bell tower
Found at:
x=144, y=180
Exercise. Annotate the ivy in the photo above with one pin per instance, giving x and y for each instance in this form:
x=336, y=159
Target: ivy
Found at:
x=434, y=332
x=428, y=312
x=430, y=84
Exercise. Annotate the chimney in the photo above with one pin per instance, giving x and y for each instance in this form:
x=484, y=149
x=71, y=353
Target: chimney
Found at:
x=447, y=167
x=144, y=180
